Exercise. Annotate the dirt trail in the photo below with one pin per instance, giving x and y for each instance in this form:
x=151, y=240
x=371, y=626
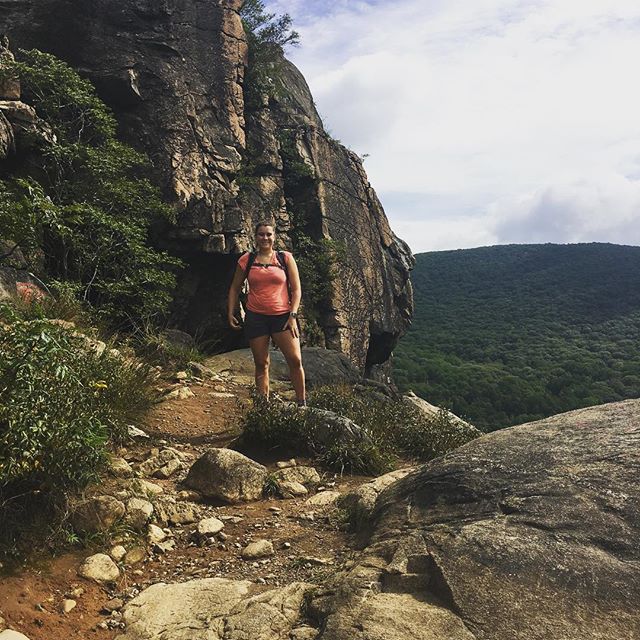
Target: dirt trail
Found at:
x=309, y=542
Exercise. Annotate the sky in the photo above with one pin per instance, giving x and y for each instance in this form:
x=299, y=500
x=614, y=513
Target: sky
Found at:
x=484, y=121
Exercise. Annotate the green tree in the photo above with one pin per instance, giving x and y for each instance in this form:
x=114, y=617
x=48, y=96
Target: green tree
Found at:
x=88, y=205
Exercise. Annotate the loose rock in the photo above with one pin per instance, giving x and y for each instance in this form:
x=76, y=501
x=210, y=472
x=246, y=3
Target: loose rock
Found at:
x=10, y=634
x=68, y=605
x=155, y=534
x=258, y=549
x=120, y=468
x=100, y=568
x=96, y=514
x=209, y=527
x=289, y=489
x=227, y=476
x=138, y=513
x=118, y=552
x=307, y=476
x=323, y=499
x=135, y=555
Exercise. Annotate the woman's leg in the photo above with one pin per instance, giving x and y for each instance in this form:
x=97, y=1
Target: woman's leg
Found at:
x=290, y=348
x=260, y=350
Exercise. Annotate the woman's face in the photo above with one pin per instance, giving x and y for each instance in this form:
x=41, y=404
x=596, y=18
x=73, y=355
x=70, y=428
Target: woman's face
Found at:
x=265, y=237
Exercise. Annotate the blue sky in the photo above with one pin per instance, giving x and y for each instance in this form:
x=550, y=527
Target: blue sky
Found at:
x=486, y=121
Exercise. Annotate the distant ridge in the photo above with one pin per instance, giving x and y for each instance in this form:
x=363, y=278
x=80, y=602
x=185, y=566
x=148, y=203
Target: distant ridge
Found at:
x=514, y=333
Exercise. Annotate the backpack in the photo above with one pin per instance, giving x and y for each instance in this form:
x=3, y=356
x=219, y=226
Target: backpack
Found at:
x=282, y=261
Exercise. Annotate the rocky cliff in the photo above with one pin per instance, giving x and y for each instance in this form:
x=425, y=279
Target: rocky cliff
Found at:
x=174, y=73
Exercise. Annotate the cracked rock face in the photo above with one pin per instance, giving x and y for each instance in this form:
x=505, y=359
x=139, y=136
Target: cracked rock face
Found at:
x=530, y=532
x=173, y=71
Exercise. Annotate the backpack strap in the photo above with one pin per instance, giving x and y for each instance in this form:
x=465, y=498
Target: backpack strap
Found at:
x=250, y=260
x=282, y=259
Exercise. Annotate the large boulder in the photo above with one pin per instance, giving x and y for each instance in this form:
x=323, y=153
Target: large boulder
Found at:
x=227, y=476
x=530, y=532
x=213, y=609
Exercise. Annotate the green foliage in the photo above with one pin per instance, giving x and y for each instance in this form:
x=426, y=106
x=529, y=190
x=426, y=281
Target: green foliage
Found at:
x=61, y=402
x=63, y=99
x=88, y=208
x=267, y=36
x=393, y=427
x=397, y=425
x=509, y=334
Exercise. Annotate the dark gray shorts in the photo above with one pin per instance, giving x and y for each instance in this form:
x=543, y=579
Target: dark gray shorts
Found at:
x=259, y=324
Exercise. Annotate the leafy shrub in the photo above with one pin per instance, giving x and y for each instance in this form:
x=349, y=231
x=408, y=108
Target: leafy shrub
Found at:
x=86, y=211
x=275, y=424
x=394, y=428
x=61, y=402
x=267, y=36
x=399, y=424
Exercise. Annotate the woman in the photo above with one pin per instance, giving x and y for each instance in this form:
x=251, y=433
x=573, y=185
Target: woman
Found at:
x=272, y=308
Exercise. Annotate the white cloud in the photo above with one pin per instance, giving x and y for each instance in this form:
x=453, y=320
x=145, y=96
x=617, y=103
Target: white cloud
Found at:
x=519, y=117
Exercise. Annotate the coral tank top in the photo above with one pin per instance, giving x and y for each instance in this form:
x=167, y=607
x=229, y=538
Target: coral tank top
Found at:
x=268, y=292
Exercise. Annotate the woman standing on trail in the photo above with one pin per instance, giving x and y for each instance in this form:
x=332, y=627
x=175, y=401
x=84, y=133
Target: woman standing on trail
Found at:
x=272, y=308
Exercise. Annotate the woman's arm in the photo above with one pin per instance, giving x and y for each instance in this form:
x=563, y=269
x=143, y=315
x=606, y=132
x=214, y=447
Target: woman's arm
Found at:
x=232, y=300
x=296, y=293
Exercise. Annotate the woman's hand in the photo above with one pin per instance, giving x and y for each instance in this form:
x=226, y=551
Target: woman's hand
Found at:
x=234, y=323
x=292, y=325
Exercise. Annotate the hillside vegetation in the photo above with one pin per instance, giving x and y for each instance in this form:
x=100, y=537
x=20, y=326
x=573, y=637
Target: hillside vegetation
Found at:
x=507, y=334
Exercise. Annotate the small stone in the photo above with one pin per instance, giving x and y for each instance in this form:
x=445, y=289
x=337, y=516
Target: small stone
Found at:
x=155, y=534
x=68, y=605
x=168, y=469
x=231, y=519
x=100, y=568
x=75, y=593
x=3, y=624
x=113, y=605
x=118, y=552
x=102, y=625
x=135, y=432
x=291, y=489
x=135, y=555
x=209, y=527
x=163, y=547
x=143, y=487
x=261, y=581
x=286, y=545
x=324, y=499
x=257, y=549
x=221, y=394
x=319, y=562
x=120, y=468
x=182, y=393
x=286, y=464
x=10, y=634
x=275, y=510
x=138, y=512
x=181, y=375
x=304, y=475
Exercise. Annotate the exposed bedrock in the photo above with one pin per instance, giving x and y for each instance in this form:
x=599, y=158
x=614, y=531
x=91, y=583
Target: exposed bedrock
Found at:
x=174, y=73
x=530, y=532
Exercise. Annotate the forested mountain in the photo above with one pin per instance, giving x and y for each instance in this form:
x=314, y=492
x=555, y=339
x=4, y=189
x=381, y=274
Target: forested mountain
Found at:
x=507, y=334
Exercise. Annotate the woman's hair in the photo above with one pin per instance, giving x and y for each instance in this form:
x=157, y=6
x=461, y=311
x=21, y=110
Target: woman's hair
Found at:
x=263, y=223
